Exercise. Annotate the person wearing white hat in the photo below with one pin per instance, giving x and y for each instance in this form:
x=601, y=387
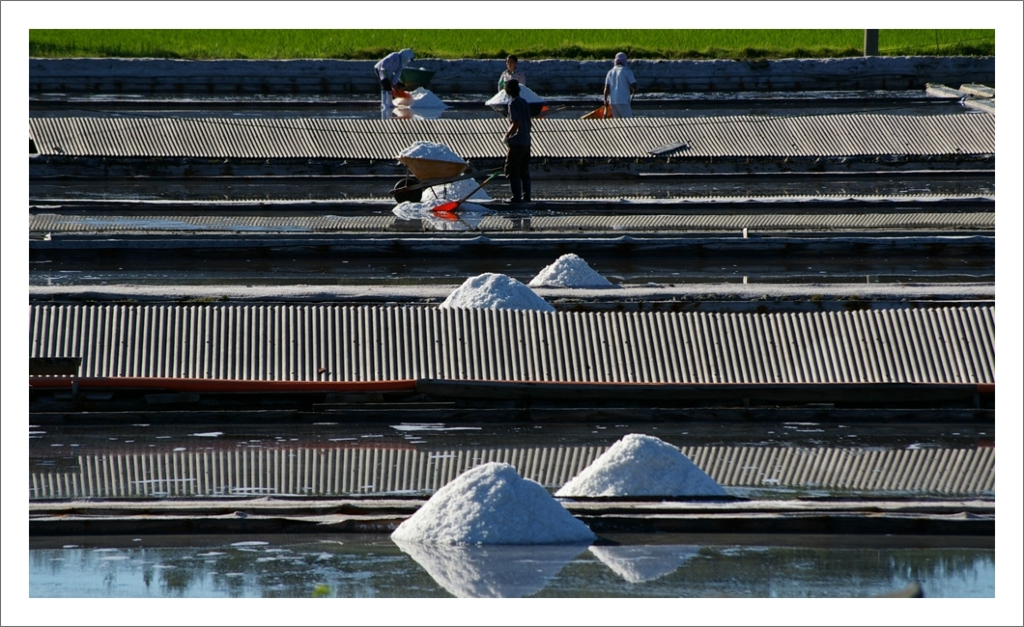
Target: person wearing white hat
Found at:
x=389, y=72
x=619, y=87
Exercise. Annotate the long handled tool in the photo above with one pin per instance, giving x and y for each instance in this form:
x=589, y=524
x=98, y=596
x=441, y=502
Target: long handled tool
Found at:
x=598, y=114
x=448, y=207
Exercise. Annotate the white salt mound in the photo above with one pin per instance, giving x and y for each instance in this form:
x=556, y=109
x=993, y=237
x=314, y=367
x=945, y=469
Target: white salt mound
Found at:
x=569, y=271
x=431, y=150
x=642, y=465
x=502, y=98
x=495, y=291
x=492, y=504
x=455, y=191
x=421, y=98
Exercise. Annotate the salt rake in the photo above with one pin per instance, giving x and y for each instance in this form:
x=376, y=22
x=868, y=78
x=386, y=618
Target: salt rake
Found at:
x=449, y=207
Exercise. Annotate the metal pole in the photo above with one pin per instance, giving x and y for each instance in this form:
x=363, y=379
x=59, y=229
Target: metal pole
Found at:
x=870, y=42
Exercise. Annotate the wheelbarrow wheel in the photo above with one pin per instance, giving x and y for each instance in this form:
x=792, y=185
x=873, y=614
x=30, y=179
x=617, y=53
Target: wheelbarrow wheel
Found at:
x=402, y=194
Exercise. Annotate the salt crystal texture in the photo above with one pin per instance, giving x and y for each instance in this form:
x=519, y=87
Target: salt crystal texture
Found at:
x=491, y=571
x=432, y=151
x=492, y=504
x=455, y=191
x=420, y=98
x=502, y=98
x=495, y=291
x=642, y=465
x=569, y=271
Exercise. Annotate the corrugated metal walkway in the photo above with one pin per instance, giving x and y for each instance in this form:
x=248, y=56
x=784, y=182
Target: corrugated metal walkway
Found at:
x=324, y=342
x=343, y=470
x=52, y=223
x=849, y=135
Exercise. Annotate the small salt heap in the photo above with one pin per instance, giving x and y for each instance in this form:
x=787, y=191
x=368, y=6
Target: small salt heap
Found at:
x=492, y=504
x=420, y=98
x=569, y=271
x=642, y=465
x=495, y=291
x=502, y=98
x=432, y=151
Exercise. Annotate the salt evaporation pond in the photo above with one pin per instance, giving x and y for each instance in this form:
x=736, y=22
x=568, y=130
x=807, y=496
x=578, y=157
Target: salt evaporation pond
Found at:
x=641, y=465
x=363, y=566
x=572, y=271
x=495, y=291
x=492, y=504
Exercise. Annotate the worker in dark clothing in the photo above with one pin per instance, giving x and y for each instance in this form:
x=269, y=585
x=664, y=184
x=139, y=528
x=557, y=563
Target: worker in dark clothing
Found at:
x=517, y=138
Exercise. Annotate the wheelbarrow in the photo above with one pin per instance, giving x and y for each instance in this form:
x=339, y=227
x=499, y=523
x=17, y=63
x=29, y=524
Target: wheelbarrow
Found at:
x=424, y=173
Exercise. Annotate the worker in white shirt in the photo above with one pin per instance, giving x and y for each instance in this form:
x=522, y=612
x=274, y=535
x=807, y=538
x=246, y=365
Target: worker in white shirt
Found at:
x=389, y=73
x=619, y=87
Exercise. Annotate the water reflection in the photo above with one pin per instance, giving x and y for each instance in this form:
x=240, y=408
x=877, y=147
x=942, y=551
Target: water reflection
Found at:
x=373, y=566
x=188, y=466
x=491, y=571
x=637, y=564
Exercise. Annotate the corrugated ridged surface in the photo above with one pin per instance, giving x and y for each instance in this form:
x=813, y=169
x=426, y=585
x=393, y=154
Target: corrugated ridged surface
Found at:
x=78, y=224
x=303, y=342
x=732, y=136
x=334, y=471
x=761, y=222
x=113, y=223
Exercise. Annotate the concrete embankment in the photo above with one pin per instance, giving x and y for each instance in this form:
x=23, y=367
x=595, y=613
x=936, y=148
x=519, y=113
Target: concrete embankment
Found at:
x=549, y=76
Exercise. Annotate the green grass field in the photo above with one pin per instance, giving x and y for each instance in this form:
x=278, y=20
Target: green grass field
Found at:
x=491, y=44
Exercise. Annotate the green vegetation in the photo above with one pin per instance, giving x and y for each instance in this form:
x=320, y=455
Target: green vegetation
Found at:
x=495, y=44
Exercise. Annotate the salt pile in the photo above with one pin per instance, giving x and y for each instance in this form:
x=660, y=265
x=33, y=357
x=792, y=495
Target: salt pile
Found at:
x=502, y=98
x=432, y=151
x=491, y=571
x=495, y=291
x=636, y=564
x=492, y=504
x=468, y=217
x=420, y=98
x=569, y=271
x=455, y=191
x=642, y=465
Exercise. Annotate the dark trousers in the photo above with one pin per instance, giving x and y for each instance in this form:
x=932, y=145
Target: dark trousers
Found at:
x=517, y=171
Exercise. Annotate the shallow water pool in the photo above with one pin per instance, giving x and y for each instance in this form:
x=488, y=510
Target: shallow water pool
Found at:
x=662, y=565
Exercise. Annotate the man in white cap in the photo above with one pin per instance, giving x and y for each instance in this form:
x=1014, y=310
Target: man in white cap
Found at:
x=389, y=72
x=619, y=87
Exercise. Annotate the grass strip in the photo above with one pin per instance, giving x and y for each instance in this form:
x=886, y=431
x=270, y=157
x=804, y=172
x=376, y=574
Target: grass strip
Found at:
x=496, y=44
